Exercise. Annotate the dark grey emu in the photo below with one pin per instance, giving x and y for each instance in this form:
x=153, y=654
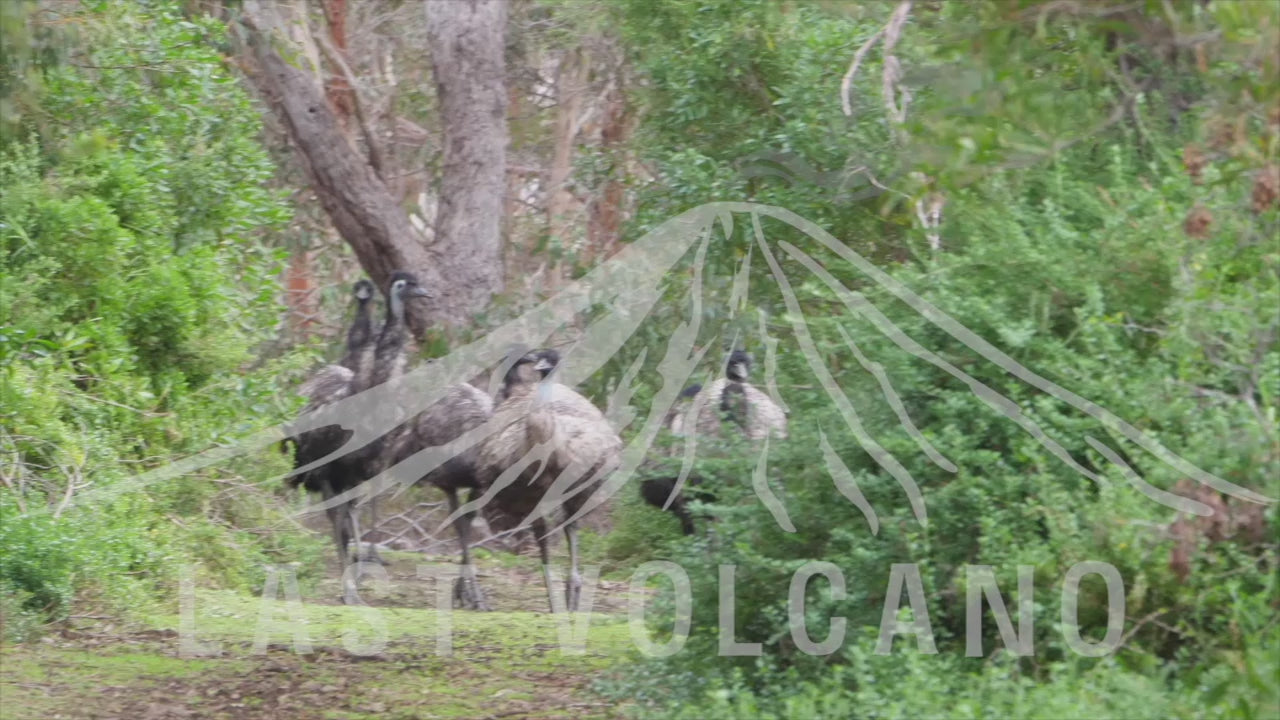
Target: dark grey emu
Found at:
x=462, y=409
x=325, y=387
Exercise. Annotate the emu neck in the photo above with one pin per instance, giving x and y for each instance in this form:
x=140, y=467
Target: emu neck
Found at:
x=360, y=329
x=358, y=336
x=394, y=328
x=389, y=356
x=541, y=422
x=395, y=309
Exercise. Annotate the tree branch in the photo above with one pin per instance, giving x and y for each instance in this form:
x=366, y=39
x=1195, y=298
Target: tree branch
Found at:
x=335, y=57
x=358, y=203
x=846, y=83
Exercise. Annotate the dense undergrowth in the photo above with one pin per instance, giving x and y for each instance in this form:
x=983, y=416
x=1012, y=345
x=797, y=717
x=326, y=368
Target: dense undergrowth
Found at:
x=1128, y=256
x=137, y=288
x=1086, y=264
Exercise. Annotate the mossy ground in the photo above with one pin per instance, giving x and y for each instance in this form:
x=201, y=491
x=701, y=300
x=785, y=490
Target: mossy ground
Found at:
x=507, y=663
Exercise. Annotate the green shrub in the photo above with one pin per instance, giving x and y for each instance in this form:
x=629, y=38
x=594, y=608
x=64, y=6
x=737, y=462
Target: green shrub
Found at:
x=1075, y=262
x=137, y=284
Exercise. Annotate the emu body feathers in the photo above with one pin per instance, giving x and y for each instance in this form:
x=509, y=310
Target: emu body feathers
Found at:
x=560, y=448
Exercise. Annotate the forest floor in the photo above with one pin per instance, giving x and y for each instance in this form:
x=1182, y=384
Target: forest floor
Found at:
x=509, y=663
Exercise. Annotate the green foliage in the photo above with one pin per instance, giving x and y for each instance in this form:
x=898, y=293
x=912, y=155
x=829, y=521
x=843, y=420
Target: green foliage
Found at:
x=1058, y=140
x=136, y=289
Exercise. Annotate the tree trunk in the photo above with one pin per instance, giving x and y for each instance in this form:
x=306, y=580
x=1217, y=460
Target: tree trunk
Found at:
x=604, y=226
x=336, y=88
x=301, y=294
x=462, y=266
x=467, y=39
x=571, y=78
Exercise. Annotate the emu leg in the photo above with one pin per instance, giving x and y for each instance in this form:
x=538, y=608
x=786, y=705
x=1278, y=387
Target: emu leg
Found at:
x=573, y=583
x=343, y=533
x=466, y=590
x=371, y=555
x=686, y=520
x=350, y=569
x=369, y=552
x=539, y=527
x=337, y=530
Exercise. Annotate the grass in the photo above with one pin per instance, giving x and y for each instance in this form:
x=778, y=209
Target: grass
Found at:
x=508, y=663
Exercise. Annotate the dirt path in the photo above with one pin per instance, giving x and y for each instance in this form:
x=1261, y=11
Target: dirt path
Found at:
x=504, y=664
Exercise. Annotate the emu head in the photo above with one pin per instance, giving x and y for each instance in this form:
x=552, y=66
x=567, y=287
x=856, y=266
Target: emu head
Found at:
x=544, y=364
x=363, y=291
x=404, y=284
x=739, y=366
x=545, y=361
x=531, y=367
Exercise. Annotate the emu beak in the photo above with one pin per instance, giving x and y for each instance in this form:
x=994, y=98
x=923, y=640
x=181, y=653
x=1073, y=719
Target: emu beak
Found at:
x=422, y=292
x=542, y=365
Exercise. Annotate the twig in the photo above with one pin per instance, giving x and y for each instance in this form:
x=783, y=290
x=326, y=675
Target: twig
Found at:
x=73, y=483
x=1073, y=7
x=411, y=525
x=486, y=541
x=1138, y=626
x=846, y=83
x=17, y=495
x=86, y=396
x=893, y=69
x=375, y=157
x=511, y=713
x=156, y=68
x=16, y=489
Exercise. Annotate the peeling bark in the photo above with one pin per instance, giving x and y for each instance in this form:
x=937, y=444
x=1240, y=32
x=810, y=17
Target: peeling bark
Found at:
x=357, y=202
x=336, y=87
x=571, y=81
x=467, y=39
x=462, y=266
x=604, y=225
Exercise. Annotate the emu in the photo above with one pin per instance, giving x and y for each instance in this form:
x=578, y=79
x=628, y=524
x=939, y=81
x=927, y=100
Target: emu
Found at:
x=550, y=447
x=327, y=386
x=730, y=398
x=385, y=361
x=463, y=408
x=755, y=413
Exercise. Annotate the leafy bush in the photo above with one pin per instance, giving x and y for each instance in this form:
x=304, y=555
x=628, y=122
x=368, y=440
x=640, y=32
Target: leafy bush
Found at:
x=1080, y=263
x=137, y=287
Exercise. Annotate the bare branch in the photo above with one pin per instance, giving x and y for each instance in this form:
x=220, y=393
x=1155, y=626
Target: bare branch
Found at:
x=846, y=84
x=334, y=56
x=892, y=77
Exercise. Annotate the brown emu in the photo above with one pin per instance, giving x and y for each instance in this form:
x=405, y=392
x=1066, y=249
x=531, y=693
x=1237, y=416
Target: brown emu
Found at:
x=551, y=447
x=731, y=398
x=755, y=413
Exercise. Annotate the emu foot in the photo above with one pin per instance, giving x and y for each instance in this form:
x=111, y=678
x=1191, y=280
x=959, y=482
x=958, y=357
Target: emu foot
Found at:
x=572, y=591
x=467, y=593
x=368, y=553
